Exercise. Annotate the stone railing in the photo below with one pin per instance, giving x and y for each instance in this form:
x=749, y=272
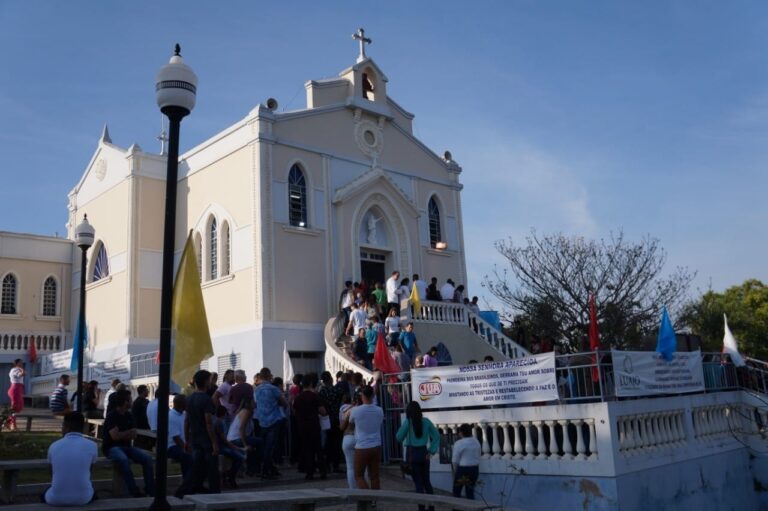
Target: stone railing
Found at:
x=19, y=342
x=459, y=314
x=606, y=438
x=655, y=430
x=534, y=440
x=335, y=358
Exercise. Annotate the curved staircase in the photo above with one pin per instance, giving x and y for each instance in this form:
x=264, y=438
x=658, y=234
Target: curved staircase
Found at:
x=466, y=335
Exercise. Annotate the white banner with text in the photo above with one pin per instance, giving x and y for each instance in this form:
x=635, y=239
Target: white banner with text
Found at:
x=521, y=380
x=644, y=373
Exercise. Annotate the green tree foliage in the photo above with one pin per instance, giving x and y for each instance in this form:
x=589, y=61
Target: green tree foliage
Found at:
x=747, y=308
x=547, y=285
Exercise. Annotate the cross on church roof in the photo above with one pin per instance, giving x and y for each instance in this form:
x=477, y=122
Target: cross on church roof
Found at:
x=360, y=36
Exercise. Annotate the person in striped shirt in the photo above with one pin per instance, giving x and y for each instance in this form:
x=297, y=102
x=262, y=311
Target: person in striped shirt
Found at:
x=58, y=402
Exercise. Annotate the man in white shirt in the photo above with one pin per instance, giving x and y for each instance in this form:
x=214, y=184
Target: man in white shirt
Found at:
x=421, y=286
x=152, y=414
x=466, y=462
x=367, y=419
x=111, y=391
x=357, y=320
x=71, y=459
x=176, y=433
x=393, y=286
x=447, y=291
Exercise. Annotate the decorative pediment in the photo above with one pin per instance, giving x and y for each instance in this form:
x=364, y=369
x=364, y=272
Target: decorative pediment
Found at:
x=377, y=179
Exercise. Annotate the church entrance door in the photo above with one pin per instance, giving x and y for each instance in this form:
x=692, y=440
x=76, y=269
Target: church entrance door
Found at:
x=373, y=266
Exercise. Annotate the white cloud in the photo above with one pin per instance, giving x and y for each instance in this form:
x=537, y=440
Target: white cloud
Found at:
x=511, y=188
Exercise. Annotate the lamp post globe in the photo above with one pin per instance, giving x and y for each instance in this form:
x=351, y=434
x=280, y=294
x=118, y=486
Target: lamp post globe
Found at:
x=175, y=90
x=84, y=236
x=176, y=85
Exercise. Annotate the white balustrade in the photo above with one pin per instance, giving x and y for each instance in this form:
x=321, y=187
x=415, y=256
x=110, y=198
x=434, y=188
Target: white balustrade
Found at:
x=459, y=314
x=542, y=441
x=650, y=431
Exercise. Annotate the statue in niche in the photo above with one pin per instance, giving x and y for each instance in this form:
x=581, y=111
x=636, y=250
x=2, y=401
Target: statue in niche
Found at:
x=372, y=221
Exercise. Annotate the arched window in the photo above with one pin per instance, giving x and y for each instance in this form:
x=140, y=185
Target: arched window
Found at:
x=213, y=238
x=369, y=87
x=8, y=300
x=297, y=198
x=225, y=249
x=199, y=253
x=101, y=266
x=434, y=223
x=50, y=289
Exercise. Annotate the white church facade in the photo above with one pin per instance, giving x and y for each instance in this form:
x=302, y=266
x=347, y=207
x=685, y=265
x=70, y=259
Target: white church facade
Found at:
x=284, y=208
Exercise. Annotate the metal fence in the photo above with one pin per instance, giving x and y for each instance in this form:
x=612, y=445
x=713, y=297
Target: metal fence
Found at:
x=144, y=365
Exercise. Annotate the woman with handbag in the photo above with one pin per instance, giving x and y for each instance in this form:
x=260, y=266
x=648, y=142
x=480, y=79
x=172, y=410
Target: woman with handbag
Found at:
x=421, y=440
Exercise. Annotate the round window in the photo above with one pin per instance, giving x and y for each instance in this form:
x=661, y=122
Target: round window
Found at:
x=370, y=137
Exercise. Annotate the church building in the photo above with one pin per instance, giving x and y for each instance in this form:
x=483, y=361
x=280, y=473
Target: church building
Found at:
x=283, y=206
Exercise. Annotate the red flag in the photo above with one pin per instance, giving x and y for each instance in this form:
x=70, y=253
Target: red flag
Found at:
x=32, y=350
x=382, y=359
x=594, y=336
x=157, y=358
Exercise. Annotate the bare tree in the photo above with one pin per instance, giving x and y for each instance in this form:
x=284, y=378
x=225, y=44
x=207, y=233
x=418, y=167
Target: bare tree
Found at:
x=556, y=273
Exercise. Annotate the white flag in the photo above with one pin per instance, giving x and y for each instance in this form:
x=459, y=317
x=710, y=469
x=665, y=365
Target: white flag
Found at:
x=287, y=366
x=730, y=347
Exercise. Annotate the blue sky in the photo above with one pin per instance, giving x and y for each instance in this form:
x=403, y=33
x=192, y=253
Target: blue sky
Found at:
x=580, y=117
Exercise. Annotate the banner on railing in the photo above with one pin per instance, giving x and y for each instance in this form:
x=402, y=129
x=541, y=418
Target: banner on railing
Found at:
x=521, y=380
x=644, y=373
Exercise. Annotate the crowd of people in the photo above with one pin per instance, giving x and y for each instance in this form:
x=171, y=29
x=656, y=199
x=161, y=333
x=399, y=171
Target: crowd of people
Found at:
x=372, y=310
x=330, y=423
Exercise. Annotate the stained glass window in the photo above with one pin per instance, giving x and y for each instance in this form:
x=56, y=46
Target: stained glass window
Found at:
x=101, y=267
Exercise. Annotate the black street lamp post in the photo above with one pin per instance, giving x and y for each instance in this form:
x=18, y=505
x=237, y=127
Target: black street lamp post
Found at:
x=84, y=236
x=175, y=88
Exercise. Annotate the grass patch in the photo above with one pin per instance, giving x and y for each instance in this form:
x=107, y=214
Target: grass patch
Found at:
x=21, y=445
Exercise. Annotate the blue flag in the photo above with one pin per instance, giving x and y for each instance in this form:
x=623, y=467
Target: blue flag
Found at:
x=76, y=346
x=666, y=344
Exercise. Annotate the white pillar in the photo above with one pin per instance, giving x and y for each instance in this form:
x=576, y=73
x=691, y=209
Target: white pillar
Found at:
x=580, y=449
x=592, y=440
x=497, y=448
x=486, y=446
x=541, y=445
x=554, y=449
x=518, y=443
x=567, y=450
x=507, y=442
x=528, y=441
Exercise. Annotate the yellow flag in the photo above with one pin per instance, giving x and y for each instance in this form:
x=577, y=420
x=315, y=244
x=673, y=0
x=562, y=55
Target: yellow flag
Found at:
x=188, y=320
x=415, y=300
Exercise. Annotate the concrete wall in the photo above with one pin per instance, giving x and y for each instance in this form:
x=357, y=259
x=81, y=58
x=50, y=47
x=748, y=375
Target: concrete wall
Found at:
x=720, y=482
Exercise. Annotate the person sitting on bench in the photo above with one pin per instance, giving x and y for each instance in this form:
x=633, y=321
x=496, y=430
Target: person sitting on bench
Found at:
x=119, y=431
x=71, y=459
